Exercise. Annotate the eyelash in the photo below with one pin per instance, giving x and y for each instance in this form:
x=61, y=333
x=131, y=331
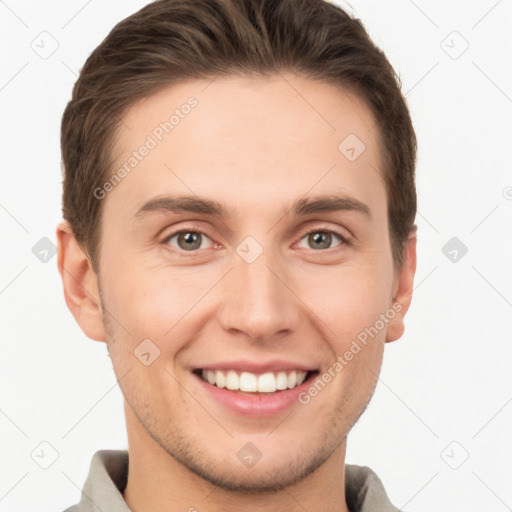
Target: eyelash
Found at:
x=343, y=238
x=196, y=229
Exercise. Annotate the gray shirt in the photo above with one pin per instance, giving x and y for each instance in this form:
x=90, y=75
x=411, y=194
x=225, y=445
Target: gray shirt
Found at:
x=108, y=473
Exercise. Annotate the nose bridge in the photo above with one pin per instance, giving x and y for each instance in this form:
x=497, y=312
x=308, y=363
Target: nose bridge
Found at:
x=258, y=302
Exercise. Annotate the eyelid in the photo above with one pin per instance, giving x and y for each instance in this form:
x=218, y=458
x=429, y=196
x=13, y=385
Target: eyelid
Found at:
x=325, y=229
x=346, y=240
x=189, y=228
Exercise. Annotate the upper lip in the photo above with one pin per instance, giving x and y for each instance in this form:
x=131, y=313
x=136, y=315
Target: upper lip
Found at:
x=257, y=368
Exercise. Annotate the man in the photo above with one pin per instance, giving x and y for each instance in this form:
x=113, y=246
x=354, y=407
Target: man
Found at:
x=239, y=208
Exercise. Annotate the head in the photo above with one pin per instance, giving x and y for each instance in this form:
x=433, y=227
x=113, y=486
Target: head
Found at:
x=279, y=122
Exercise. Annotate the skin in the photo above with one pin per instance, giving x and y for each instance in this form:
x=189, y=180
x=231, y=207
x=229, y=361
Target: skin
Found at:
x=255, y=145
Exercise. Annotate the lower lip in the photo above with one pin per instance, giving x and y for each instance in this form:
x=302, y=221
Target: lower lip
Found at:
x=255, y=405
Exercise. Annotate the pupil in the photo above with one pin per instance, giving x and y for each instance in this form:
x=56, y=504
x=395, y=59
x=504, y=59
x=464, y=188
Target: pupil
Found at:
x=318, y=237
x=191, y=240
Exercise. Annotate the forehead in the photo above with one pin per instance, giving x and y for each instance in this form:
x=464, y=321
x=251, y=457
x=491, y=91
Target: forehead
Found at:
x=277, y=136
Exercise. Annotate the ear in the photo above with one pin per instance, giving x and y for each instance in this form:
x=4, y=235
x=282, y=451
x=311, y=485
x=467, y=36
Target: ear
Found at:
x=403, y=289
x=80, y=283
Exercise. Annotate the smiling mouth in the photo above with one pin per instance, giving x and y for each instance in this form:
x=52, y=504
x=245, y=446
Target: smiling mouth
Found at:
x=255, y=384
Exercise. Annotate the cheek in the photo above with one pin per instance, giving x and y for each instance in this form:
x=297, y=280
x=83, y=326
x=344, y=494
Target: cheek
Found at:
x=351, y=301
x=150, y=301
x=158, y=301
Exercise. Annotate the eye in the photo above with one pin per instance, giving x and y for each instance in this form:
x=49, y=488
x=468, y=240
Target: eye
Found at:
x=322, y=238
x=188, y=240
x=193, y=239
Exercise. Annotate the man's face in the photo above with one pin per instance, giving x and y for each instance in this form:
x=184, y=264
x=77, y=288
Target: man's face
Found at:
x=253, y=287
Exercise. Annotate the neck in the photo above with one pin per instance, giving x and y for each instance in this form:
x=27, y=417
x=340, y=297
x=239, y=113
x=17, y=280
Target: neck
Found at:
x=157, y=482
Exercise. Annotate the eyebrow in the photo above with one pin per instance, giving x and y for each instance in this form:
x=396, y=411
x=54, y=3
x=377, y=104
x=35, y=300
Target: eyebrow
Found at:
x=300, y=207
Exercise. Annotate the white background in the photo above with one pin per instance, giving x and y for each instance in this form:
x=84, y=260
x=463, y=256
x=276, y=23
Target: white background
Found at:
x=447, y=380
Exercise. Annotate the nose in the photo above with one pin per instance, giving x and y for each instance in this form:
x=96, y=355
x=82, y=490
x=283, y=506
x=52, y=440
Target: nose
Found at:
x=258, y=300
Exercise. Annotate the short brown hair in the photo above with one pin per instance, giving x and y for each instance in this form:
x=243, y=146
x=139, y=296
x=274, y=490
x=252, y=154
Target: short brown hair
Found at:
x=174, y=40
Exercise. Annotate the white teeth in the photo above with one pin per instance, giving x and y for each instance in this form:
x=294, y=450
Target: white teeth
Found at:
x=249, y=382
x=282, y=381
x=301, y=377
x=232, y=380
x=220, y=379
x=267, y=383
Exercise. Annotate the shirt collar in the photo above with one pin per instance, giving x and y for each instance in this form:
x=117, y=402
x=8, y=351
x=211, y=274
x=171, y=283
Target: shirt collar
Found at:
x=108, y=473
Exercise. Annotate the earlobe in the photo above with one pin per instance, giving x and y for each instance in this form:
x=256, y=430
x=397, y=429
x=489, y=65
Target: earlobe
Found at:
x=80, y=284
x=404, y=287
